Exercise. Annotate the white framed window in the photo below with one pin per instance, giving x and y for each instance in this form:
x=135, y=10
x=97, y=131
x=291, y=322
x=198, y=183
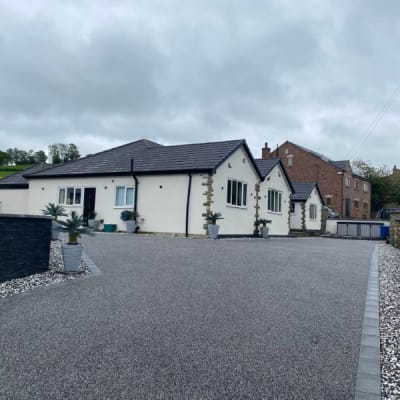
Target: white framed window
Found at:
x=70, y=196
x=313, y=211
x=237, y=193
x=347, y=181
x=290, y=160
x=274, y=200
x=124, y=196
x=365, y=187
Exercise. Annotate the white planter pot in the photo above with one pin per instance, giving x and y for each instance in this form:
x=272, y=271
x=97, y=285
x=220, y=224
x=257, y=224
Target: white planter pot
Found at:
x=72, y=254
x=55, y=233
x=265, y=232
x=213, y=231
x=93, y=224
x=131, y=226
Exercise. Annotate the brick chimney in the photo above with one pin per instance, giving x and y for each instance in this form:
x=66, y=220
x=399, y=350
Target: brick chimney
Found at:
x=265, y=152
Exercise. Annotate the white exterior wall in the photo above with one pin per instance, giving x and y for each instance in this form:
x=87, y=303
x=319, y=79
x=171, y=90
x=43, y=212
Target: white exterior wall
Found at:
x=280, y=221
x=162, y=203
x=161, y=209
x=296, y=217
x=43, y=191
x=313, y=224
x=14, y=201
x=236, y=220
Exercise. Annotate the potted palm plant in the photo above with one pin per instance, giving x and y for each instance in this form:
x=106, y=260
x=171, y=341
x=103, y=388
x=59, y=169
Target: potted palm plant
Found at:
x=72, y=250
x=264, y=228
x=213, y=228
x=130, y=219
x=54, y=211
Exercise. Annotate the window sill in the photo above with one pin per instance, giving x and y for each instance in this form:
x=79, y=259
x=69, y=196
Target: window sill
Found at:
x=123, y=207
x=240, y=207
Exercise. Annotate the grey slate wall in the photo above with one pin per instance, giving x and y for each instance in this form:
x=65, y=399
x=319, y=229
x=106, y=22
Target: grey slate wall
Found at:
x=24, y=245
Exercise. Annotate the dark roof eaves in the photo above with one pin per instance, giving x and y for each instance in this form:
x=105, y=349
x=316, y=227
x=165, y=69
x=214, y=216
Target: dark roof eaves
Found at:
x=126, y=173
x=14, y=186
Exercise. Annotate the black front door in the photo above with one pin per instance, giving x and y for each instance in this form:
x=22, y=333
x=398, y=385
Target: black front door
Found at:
x=347, y=208
x=89, y=202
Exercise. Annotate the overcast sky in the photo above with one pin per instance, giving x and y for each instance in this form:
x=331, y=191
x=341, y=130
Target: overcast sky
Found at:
x=322, y=74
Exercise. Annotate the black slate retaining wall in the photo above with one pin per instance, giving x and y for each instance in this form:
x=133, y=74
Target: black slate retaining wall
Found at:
x=24, y=245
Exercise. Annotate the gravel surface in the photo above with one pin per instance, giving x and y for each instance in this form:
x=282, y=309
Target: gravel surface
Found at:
x=180, y=319
x=55, y=274
x=389, y=275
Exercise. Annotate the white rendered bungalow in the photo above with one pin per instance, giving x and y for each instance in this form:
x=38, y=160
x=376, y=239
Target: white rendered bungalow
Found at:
x=14, y=190
x=171, y=187
x=306, y=207
x=275, y=192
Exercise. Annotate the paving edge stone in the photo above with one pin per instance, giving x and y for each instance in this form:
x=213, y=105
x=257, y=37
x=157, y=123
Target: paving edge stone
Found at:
x=94, y=269
x=368, y=381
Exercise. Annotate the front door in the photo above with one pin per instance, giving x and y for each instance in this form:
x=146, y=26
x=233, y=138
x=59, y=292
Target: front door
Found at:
x=347, y=208
x=89, y=203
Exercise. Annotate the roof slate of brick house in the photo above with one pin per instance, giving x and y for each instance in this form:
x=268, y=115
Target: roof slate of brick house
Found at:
x=341, y=165
x=303, y=190
x=150, y=158
x=18, y=180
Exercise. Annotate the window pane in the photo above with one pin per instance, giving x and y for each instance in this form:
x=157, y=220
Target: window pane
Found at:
x=61, y=196
x=244, y=194
x=119, y=196
x=70, y=195
x=269, y=200
x=229, y=192
x=234, y=191
x=129, y=196
x=239, y=194
x=78, y=192
x=279, y=201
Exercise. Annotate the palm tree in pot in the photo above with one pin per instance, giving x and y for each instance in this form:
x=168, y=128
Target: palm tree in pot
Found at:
x=264, y=228
x=72, y=250
x=54, y=211
x=213, y=228
x=130, y=219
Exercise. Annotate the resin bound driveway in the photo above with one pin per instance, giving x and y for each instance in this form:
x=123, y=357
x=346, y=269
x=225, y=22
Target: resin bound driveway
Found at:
x=174, y=318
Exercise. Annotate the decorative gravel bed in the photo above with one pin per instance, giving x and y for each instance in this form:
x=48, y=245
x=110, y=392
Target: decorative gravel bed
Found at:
x=389, y=276
x=53, y=275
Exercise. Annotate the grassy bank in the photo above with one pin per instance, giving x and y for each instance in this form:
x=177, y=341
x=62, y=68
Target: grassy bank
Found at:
x=6, y=170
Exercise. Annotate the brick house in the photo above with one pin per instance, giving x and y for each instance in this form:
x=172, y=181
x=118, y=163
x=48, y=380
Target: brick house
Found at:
x=345, y=192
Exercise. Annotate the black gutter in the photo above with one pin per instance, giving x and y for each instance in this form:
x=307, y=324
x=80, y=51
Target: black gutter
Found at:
x=187, y=205
x=14, y=186
x=123, y=173
x=136, y=187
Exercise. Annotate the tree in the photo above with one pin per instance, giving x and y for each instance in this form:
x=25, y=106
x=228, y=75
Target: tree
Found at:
x=383, y=188
x=72, y=152
x=18, y=157
x=60, y=152
x=40, y=156
x=4, y=158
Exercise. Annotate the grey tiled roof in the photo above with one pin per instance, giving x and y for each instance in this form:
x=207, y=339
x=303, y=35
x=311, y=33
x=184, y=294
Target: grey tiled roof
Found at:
x=18, y=180
x=340, y=164
x=302, y=190
x=149, y=158
x=265, y=166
